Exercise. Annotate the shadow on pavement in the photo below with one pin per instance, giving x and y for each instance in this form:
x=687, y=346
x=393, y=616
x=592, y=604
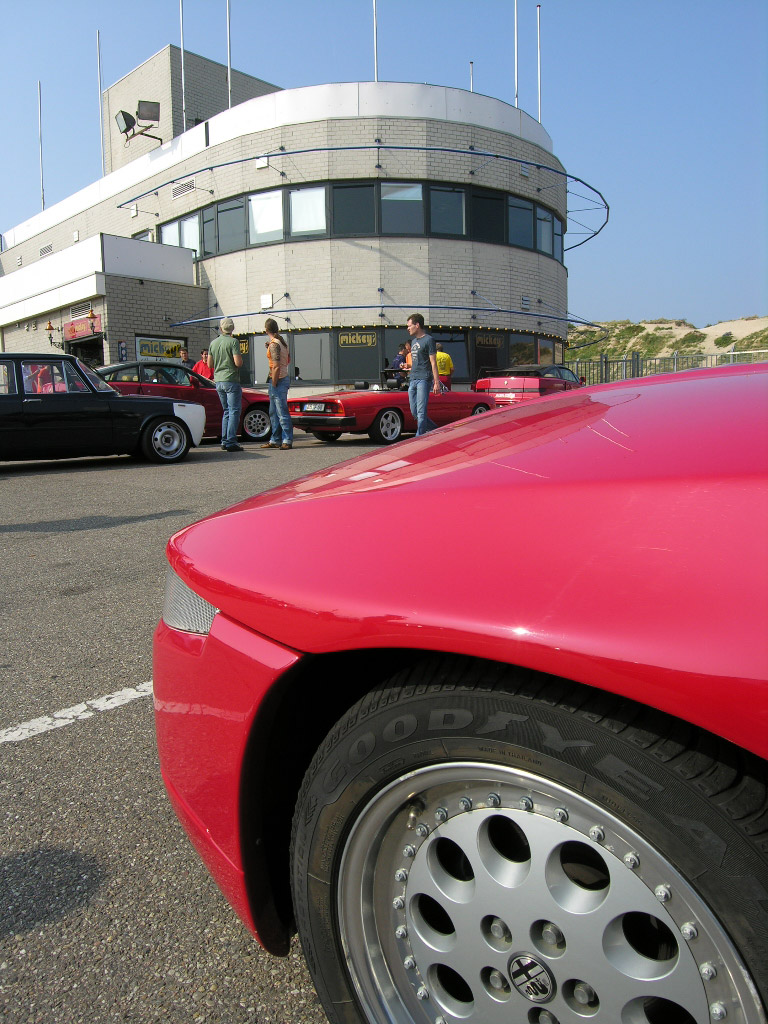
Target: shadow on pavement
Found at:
x=44, y=885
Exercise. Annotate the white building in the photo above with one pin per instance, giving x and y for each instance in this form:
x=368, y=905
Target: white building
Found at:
x=337, y=209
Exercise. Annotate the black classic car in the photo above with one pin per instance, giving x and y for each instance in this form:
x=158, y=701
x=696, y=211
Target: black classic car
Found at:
x=54, y=406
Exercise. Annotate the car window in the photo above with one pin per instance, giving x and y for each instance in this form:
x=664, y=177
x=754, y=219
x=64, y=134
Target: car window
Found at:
x=48, y=377
x=569, y=375
x=177, y=375
x=125, y=375
x=153, y=374
x=551, y=371
x=7, y=379
x=98, y=382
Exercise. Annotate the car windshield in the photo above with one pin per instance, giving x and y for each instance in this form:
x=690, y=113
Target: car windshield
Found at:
x=97, y=382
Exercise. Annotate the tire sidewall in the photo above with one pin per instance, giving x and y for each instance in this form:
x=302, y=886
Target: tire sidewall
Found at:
x=148, y=449
x=363, y=754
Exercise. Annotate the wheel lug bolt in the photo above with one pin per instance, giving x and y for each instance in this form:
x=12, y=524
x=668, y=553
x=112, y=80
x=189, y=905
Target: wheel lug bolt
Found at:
x=409, y=963
x=494, y=800
x=465, y=804
x=401, y=875
x=689, y=931
x=526, y=804
x=708, y=971
x=632, y=860
x=551, y=934
x=441, y=815
x=717, y=1011
x=545, y=1017
x=499, y=930
x=401, y=931
x=662, y=893
x=496, y=980
x=560, y=815
x=422, y=831
x=597, y=832
x=421, y=993
x=398, y=903
x=409, y=851
x=583, y=993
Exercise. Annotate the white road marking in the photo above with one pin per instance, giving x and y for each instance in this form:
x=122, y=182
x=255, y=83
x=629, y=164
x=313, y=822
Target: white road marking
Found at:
x=26, y=730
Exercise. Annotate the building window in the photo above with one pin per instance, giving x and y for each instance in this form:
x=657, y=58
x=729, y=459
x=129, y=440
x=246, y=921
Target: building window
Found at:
x=522, y=349
x=402, y=209
x=265, y=217
x=446, y=211
x=487, y=217
x=169, y=233
x=307, y=207
x=357, y=354
x=354, y=209
x=544, y=233
x=546, y=351
x=230, y=216
x=189, y=233
x=209, y=231
x=520, y=222
x=312, y=358
x=143, y=236
x=558, y=250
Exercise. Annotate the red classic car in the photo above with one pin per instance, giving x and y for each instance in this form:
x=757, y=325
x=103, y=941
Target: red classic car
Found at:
x=384, y=414
x=172, y=380
x=523, y=382
x=495, y=780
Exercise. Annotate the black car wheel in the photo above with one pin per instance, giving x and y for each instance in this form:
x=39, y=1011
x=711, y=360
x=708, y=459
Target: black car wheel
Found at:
x=386, y=427
x=256, y=425
x=165, y=441
x=326, y=435
x=481, y=847
x=479, y=409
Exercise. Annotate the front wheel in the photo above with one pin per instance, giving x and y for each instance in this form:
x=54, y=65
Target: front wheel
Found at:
x=386, y=427
x=256, y=425
x=165, y=441
x=507, y=851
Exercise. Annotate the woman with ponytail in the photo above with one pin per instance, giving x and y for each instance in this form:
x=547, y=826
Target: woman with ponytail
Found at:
x=279, y=382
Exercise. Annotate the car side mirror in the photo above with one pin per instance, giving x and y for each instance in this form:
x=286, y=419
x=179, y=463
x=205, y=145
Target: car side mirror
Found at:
x=195, y=382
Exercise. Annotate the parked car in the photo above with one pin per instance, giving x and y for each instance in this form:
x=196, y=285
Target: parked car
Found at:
x=54, y=406
x=512, y=767
x=172, y=380
x=382, y=413
x=526, y=381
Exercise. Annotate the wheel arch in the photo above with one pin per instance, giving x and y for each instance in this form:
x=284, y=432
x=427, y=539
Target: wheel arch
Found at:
x=284, y=741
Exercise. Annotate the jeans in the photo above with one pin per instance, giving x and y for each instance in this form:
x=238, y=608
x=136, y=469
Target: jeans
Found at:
x=231, y=398
x=418, y=395
x=279, y=417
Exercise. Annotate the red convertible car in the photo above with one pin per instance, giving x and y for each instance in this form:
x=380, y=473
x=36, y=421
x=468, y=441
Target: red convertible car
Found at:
x=494, y=780
x=172, y=380
x=523, y=382
x=384, y=414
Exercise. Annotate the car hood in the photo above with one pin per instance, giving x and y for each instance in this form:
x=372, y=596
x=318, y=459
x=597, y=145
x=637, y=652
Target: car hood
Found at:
x=623, y=523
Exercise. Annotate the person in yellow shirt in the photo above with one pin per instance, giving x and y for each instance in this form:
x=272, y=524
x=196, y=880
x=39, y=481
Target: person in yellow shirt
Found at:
x=444, y=365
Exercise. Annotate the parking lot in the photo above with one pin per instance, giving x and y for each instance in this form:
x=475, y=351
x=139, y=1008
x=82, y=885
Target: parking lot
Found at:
x=106, y=912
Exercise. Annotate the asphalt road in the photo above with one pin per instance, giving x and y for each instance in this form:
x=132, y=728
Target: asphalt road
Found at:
x=106, y=912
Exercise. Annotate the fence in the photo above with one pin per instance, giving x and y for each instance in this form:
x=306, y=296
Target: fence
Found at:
x=598, y=371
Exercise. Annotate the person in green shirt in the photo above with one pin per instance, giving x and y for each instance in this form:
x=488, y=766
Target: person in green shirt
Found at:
x=225, y=360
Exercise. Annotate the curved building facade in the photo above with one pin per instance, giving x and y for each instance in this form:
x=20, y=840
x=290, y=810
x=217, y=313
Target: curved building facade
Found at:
x=337, y=209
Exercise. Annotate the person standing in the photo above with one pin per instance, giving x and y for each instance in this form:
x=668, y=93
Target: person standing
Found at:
x=225, y=360
x=423, y=373
x=279, y=382
x=202, y=367
x=444, y=365
x=185, y=360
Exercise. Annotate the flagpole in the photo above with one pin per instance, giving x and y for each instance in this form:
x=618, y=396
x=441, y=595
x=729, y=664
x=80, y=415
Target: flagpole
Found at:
x=515, y=52
x=183, y=89
x=101, y=104
x=375, y=45
x=40, y=136
x=229, y=61
x=538, y=33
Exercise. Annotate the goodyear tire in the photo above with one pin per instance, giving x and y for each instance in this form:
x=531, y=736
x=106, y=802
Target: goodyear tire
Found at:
x=478, y=845
x=165, y=440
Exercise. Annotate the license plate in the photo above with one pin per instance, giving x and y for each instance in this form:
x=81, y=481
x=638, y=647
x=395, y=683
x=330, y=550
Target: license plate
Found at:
x=314, y=406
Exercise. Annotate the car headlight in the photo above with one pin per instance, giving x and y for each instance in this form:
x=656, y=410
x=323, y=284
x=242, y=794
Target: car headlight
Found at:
x=183, y=609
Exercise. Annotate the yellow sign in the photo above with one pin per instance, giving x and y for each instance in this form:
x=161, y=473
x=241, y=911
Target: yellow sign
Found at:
x=158, y=348
x=490, y=340
x=365, y=338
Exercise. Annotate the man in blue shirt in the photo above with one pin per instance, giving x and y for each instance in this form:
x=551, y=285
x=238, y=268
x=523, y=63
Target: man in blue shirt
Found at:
x=424, y=376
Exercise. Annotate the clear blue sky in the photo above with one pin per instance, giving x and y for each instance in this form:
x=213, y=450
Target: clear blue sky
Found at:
x=662, y=106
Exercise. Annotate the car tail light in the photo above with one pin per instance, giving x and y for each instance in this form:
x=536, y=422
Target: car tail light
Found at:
x=183, y=609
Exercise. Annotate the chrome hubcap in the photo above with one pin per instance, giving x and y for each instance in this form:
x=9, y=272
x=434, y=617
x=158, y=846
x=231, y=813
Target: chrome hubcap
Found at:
x=390, y=426
x=256, y=423
x=168, y=439
x=477, y=893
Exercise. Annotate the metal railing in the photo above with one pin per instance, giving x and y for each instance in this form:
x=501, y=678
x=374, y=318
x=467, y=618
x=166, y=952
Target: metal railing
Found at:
x=598, y=371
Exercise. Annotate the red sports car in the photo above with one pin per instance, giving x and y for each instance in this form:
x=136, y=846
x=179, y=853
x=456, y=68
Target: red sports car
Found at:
x=383, y=414
x=523, y=382
x=172, y=380
x=494, y=776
